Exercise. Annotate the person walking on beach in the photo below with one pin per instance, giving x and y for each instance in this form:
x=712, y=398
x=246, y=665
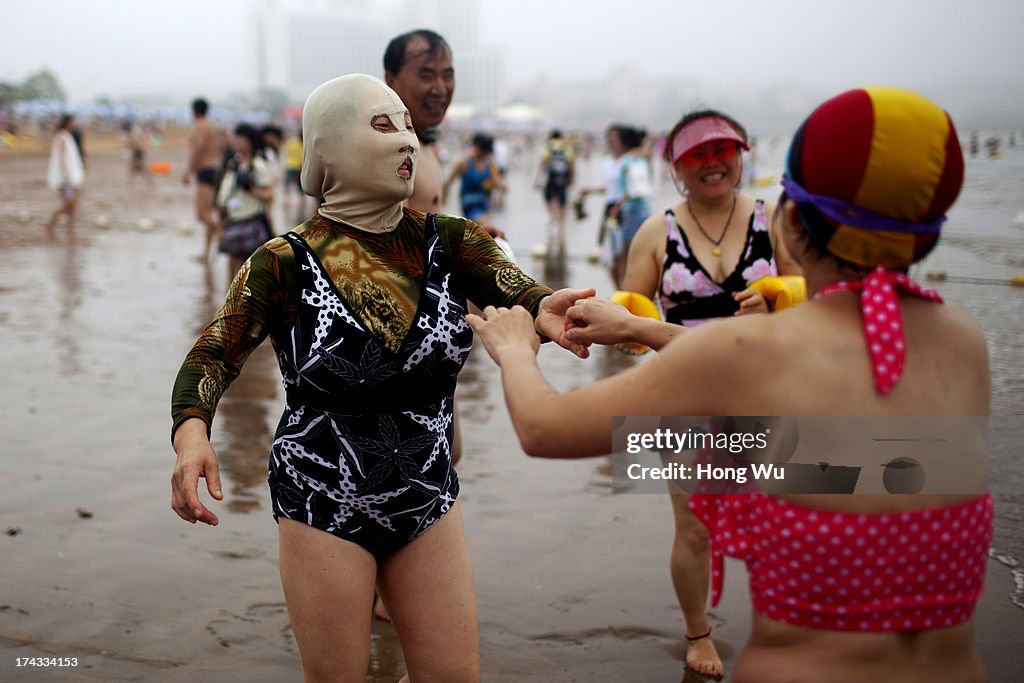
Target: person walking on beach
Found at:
x=478, y=176
x=611, y=167
x=634, y=198
x=845, y=588
x=244, y=198
x=555, y=175
x=204, y=161
x=65, y=174
x=138, y=146
x=364, y=305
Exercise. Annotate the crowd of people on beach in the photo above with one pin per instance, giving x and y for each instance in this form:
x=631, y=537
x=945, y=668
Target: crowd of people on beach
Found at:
x=373, y=300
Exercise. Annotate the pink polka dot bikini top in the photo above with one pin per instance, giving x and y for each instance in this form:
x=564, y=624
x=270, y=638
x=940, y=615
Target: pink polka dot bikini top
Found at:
x=852, y=572
x=883, y=324
x=856, y=572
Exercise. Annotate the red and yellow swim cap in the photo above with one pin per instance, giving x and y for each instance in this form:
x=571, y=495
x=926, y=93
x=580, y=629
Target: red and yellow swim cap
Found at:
x=874, y=171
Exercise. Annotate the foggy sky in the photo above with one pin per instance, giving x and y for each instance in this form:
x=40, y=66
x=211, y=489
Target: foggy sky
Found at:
x=125, y=48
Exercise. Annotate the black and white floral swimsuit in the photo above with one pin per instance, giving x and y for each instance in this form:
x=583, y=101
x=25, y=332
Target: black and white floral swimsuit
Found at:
x=363, y=449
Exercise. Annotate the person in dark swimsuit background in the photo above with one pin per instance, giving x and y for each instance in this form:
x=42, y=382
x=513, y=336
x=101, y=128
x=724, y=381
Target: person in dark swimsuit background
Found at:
x=364, y=304
x=204, y=161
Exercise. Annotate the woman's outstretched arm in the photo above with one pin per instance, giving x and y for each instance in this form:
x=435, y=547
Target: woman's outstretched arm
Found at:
x=696, y=376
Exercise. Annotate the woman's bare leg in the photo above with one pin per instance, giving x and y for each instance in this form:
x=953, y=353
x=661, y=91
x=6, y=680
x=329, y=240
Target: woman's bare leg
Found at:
x=71, y=209
x=62, y=208
x=428, y=585
x=328, y=585
x=691, y=573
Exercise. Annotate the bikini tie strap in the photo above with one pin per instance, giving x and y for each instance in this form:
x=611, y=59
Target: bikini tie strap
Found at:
x=883, y=324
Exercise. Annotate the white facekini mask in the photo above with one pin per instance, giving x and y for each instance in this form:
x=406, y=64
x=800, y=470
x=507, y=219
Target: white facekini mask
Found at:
x=352, y=165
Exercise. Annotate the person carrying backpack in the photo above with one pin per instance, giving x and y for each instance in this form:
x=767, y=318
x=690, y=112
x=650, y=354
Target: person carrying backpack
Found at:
x=558, y=167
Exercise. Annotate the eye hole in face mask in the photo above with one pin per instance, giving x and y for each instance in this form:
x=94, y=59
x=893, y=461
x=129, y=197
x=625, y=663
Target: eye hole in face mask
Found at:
x=382, y=123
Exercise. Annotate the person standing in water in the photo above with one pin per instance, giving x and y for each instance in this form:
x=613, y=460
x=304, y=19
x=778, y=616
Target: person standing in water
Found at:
x=66, y=173
x=204, y=162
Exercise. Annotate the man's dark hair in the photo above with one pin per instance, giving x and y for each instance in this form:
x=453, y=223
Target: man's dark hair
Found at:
x=200, y=106
x=394, y=55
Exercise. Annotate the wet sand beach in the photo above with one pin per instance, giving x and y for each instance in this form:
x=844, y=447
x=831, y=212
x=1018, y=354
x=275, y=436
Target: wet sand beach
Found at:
x=572, y=579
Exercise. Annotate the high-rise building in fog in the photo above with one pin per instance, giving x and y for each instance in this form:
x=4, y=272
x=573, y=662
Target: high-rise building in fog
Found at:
x=301, y=44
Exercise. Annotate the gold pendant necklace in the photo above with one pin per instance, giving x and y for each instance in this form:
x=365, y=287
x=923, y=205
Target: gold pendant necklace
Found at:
x=716, y=250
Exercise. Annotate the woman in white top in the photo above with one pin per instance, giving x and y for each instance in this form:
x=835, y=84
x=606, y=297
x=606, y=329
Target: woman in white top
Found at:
x=66, y=173
x=245, y=193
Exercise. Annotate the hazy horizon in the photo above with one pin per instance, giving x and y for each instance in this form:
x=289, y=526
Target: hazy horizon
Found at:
x=122, y=49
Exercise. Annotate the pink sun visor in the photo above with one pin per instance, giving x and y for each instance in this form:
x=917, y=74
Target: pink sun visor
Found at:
x=704, y=130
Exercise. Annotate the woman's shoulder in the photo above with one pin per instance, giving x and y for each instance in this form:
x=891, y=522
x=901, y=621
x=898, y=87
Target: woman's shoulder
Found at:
x=449, y=225
x=960, y=332
x=316, y=232
x=746, y=205
x=652, y=230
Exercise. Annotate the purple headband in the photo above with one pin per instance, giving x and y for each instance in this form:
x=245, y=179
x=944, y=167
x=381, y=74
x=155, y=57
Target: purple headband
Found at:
x=844, y=212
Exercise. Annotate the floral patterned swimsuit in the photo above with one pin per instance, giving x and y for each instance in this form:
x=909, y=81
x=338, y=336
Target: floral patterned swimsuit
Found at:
x=688, y=294
x=363, y=449
x=369, y=334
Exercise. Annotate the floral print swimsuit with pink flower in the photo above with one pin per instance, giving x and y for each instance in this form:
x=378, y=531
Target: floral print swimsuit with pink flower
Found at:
x=688, y=294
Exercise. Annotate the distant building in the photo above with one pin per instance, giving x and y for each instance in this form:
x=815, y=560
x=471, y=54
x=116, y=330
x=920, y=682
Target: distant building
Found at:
x=299, y=45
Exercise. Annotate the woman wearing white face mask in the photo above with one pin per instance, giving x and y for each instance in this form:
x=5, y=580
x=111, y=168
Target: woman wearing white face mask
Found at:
x=364, y=305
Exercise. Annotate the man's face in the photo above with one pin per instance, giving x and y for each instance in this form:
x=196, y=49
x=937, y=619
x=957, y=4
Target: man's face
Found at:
x=425, y=83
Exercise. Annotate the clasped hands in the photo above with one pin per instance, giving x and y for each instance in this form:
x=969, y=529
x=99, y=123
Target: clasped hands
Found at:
x=574, y=319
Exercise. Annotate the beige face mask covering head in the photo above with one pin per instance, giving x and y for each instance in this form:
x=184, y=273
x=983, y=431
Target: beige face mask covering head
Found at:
x=363, y=173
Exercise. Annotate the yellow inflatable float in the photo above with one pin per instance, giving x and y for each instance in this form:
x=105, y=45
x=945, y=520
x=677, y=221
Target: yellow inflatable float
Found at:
x=782, y=290
x=640, y=305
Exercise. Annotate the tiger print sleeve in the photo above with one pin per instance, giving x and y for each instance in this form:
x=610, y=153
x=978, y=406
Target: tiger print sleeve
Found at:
x=259, y=301
x=485, y=271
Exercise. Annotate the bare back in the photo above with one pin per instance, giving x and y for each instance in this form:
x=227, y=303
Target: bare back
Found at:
x=203, y=148
x=812, y=360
